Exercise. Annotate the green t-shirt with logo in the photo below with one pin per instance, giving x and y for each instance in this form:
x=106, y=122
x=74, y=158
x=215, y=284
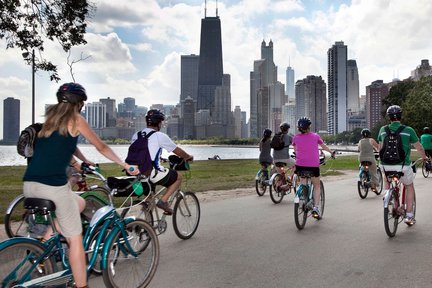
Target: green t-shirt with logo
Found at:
x=408, y=136
x=426, y=141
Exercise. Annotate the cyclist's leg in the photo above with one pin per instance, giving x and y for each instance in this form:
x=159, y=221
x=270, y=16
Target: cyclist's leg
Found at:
x=374, y=176
x=169, y=179
x=77, y=260
x=316, y=190
x=408, y=181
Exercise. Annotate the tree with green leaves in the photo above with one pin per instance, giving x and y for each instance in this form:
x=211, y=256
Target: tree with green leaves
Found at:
x=27, y=24
x=417, y=107
x=397, y=94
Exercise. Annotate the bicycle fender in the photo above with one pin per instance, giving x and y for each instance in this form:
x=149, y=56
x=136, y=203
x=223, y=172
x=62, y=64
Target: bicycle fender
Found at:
x=110, y=238
x=387, y=197
x=13, y=203
x=11, y=241
x=272, y=178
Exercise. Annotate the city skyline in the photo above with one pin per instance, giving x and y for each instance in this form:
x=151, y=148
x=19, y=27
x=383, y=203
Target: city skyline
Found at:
x=135, y=48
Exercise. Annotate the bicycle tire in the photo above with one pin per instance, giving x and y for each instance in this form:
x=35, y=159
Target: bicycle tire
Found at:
x=276, y=194
x=19, y=255
x=391, y=218
x=300, y=209
x=362, y=189
x=380, y=181
x=260, y=185
x=322, y=198
x=94, y=201
x=186, y=216
x=122, y=269
x=425, y=171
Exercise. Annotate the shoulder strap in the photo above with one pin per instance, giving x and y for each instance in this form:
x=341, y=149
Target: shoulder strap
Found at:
x=149, y=134
x=387, y=130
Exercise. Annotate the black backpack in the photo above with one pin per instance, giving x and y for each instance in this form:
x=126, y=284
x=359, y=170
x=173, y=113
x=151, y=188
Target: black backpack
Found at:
x=138, y=153
x=277, y=142
x=27, y=140
x=392, y=151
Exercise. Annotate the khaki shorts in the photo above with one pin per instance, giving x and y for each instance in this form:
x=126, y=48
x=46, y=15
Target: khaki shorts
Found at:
x=289, y=162
x=66, y=201
x=407, y=178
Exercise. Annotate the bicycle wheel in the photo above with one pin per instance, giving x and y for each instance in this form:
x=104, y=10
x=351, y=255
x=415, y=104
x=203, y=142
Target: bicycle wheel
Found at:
x=186, y=215
x=391, y=218
x=380, y=181
x=20, y=223
x=260, y=184
x=322, y=198
x=96, y=268
x=425, y=171
x=276, y=194
x=17, y=260
x=128, y=271
x=300, y=209
x=361, y=187
x=95, y=199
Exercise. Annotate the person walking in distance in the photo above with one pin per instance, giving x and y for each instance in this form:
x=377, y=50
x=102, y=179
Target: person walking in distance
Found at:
x=265, y=158
x=157, y=141
x=408, y=137
x=367, y=146
x=306, y=147
x=45, y=176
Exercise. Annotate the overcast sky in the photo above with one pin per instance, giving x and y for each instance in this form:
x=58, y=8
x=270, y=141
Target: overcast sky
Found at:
x=135, y=46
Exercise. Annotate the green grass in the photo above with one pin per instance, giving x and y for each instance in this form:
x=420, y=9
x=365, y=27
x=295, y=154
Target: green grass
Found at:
x=203, y=176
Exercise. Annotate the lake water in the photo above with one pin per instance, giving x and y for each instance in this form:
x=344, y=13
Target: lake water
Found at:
x=9, y=156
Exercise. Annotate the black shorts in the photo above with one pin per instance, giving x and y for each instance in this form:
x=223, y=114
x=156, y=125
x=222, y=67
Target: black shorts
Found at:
x=169, y=178
x=428, y=153
x=280, y=164
x=314, y=170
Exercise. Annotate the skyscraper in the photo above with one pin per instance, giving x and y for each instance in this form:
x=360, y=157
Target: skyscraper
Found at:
x=111, y=113
x=337, y=88
x=375, y=93
x=311, y=99
x=11, y=120
x=189, y=77
x=353, y=87
x=290, y=83
x=210, y=68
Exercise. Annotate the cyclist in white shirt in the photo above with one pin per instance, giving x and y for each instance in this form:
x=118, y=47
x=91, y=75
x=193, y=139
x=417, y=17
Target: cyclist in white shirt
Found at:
x=160, y=175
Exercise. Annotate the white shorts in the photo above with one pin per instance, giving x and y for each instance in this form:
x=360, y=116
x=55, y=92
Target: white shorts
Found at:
x=290, y=162
x=407, y=178
x=66, y=201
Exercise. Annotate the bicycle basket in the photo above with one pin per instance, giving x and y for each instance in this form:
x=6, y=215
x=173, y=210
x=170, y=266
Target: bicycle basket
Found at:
x=124, y=187
x=178, y=163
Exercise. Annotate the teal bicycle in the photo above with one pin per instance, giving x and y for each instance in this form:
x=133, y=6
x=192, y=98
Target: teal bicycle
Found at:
x=304, y=200
x=125, y=250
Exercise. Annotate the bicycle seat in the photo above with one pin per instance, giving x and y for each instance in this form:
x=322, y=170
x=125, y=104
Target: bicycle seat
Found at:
x=391, y=174
x=306, y=174
x=39, y=205
x=366, y=163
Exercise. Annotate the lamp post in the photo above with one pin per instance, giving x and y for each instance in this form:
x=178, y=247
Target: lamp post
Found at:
x=26, y=55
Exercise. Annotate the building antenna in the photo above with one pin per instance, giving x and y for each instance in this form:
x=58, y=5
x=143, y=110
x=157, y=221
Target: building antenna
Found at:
x=216, y=9
x=205, y=9
x=289, y=61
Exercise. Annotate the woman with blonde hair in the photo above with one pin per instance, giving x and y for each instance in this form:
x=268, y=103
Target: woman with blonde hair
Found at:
x=46, y=177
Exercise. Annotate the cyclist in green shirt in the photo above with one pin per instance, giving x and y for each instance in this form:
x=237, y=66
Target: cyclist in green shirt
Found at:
x=426, y=141
x=409, y=137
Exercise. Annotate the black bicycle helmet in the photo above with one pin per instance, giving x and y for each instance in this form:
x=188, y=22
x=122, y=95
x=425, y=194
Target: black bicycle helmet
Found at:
x=267, y=132
x=366, y=132
x=426, y=130
x=284, y=126
x=71, y=93
x=394, y=112
x=304, y=123
x=154, y=117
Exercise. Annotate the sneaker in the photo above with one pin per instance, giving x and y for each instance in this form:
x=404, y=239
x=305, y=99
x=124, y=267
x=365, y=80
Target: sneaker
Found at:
x=316, y=213
x=164, y=206
x=409, y=221
x=374, y=189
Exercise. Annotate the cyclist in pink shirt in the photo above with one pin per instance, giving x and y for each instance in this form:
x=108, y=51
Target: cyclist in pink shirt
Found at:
x=306, y=147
